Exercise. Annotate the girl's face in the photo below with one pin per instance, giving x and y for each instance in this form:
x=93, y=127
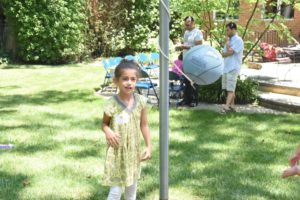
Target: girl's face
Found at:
x=127, y=81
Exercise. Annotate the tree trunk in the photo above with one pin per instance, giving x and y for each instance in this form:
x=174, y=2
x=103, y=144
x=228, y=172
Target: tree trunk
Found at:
x=250, y=19
x=225, y=17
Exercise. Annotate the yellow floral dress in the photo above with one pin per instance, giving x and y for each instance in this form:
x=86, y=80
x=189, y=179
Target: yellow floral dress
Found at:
x=122, y=165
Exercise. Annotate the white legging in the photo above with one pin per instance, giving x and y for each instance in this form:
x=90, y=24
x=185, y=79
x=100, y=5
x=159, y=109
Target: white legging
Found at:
x=115, y=192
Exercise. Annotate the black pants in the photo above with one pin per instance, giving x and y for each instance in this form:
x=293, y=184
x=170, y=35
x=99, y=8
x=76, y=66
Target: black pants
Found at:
x=190, y=95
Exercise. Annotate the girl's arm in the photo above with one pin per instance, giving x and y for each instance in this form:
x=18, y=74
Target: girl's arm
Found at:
x=146, y=134
x=111, y=137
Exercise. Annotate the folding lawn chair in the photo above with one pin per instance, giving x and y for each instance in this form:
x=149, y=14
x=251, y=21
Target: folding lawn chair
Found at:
x=153, y=63
x=130, y=57
x=146, y=84
x=108, y=74
x=109, y=65
x=176, y=87
x=143, y=60
x=154, y=60
x=117, y=60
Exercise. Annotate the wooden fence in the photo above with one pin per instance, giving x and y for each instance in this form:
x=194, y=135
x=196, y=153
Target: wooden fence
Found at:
x=270, y=37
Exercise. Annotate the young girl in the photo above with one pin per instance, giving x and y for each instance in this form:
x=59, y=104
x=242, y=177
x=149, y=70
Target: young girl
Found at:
x=179, y=64
x=124, y=119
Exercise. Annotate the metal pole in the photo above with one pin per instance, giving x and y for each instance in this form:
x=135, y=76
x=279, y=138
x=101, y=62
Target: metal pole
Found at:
x=164, y=98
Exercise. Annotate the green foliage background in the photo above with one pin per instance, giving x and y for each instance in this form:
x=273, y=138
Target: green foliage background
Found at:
x=246, y=92
x=48, y=31
x=61, y=31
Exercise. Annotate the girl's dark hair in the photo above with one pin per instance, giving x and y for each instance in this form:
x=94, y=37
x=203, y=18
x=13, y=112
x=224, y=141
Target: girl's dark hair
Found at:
x=180, y=56
x=231, y=25
x=189, y=18
x=127, y=64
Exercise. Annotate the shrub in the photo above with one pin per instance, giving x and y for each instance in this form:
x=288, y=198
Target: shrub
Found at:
x=130, y=25
x=246, y=92
x=61, y=31
x=49, y=32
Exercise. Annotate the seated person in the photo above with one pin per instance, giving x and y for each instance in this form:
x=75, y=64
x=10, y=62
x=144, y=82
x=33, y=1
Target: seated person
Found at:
x=190, y=93
x=178, y=64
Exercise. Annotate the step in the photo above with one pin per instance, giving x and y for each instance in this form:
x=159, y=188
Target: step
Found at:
x=280, y=87
x=281, y=102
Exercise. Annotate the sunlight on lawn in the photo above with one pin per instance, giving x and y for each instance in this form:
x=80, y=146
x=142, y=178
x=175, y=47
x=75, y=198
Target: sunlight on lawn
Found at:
x=53, y=118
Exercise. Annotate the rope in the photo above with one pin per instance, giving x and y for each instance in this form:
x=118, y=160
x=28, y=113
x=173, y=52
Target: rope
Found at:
x=167, y=57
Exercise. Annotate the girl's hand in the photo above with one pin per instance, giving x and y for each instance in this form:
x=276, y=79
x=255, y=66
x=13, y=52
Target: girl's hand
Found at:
x=294, y=159
x=112, y=139
x=146, y=154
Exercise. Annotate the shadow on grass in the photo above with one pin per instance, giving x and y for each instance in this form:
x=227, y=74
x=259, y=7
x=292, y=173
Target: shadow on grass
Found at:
x=10, y=87
x=24, y=149
x=91, y=149
x=73, y=121
x=98, y=191
x=42, y=66
x=29, y=127
x=86, y=147
x=7, y=111
x=47, y=97
x=214, y=156
x=225, y=159
x=17, y=66
x=11, y=185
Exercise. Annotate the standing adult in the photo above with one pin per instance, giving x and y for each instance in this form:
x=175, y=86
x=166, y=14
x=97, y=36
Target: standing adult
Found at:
x=192, y=37
x=233, y=55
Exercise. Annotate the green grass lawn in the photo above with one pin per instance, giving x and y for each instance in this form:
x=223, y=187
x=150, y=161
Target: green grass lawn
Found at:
x=53, y=118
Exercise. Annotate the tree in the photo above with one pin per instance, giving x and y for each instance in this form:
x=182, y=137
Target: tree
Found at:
x=123, y=24
x=49, y=32
x=227, y=10
x=128, y=25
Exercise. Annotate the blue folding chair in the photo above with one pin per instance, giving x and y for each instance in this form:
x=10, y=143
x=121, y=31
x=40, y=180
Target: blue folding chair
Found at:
x=143, y=60
x=154, y=59
x=176, y=87
x=129, y=57
x=114, y=61
x=153, y=63
x=117, y=60
x=108, y=65
x=108, y=75
x=146, y=84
